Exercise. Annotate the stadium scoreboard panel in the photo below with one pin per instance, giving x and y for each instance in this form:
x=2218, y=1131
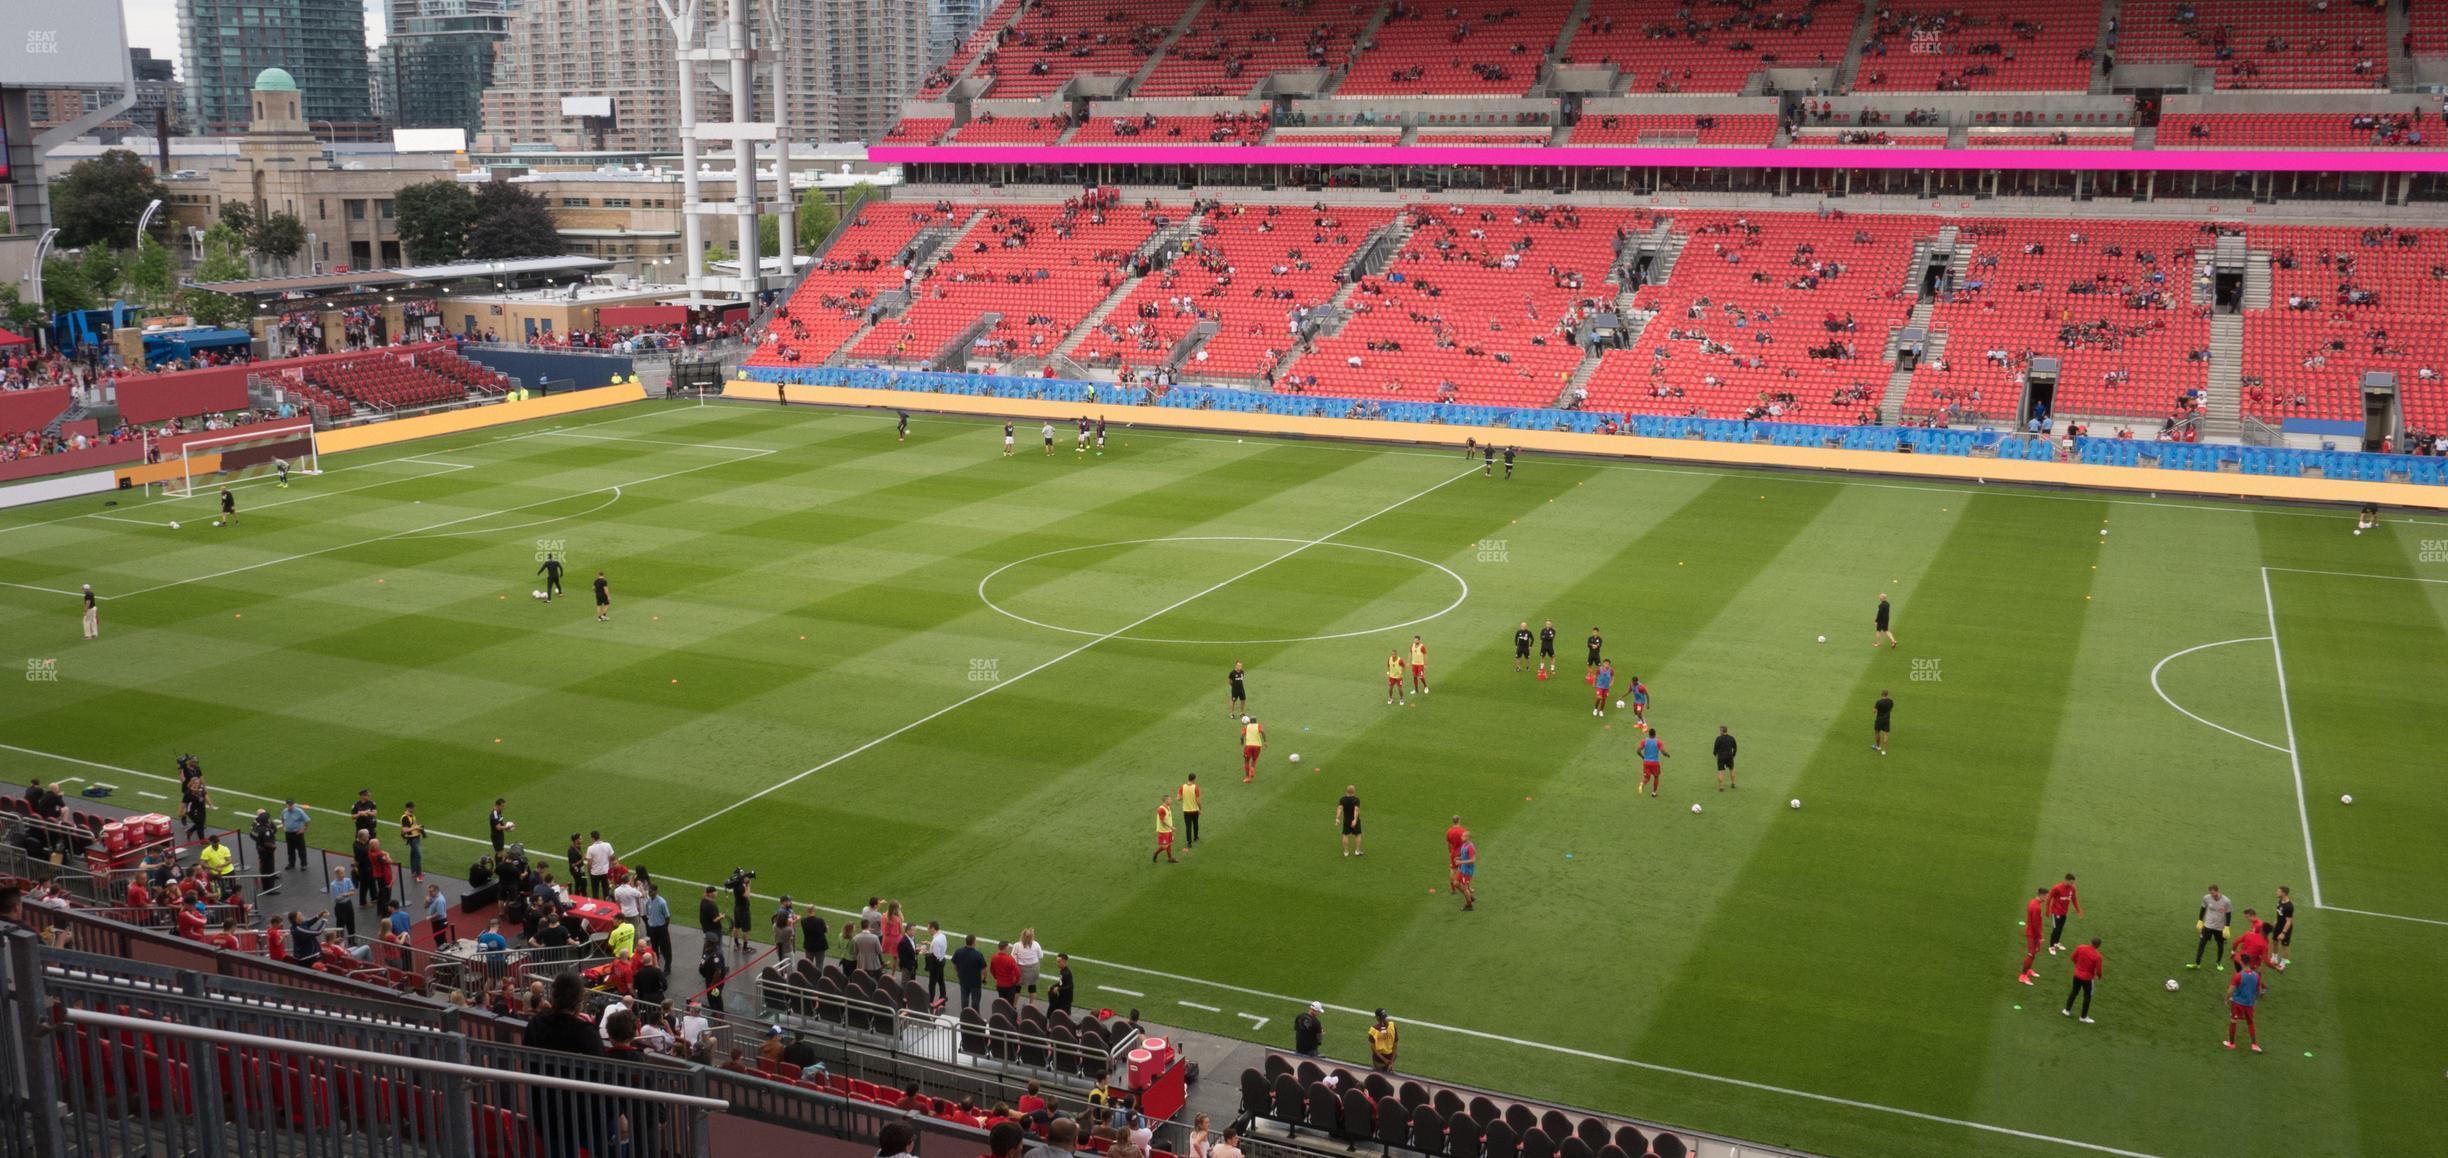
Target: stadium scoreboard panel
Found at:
x=57, y=44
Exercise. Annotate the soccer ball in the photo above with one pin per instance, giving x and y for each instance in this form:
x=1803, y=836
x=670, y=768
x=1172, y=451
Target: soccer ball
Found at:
x=1619, y=705
x=216, y=522
x=1296, y=757
x=2103, y=531
x=174, y=524
x=2171, y=985
x=537, y=594
x=2346, y=799
x=1245, y=719
x=1823, y=639
x=1695, y=810
x=2358, y=530
x=1796, y=802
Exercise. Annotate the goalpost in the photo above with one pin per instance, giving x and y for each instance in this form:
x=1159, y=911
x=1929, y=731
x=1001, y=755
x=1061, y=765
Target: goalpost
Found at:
x=216, y=459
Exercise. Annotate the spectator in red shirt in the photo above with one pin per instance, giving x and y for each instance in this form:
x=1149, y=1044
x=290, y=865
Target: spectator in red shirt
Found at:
x=227, y=938
x=1005, y=969
x=1032, y=1101
x=2061, y=898
x=191, y=922
x=2088, y=965
x=139, y=897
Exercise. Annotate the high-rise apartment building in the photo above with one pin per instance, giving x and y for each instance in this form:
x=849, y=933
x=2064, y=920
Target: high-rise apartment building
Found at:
x=874, y=54
x=437, y=61
x=227, y=43
x=157, y=90
x=948, y=23
x=622, y=49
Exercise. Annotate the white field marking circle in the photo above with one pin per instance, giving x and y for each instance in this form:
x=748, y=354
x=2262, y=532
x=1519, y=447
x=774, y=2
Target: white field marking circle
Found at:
x=2170, y=701
x=614, y=497
x=1459, y=582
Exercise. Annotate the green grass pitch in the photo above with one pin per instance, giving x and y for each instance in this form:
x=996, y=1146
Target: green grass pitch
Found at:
x=922, y=670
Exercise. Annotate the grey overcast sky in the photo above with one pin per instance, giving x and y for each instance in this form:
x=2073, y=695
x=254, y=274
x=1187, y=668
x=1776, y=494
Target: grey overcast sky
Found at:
x=154, y=24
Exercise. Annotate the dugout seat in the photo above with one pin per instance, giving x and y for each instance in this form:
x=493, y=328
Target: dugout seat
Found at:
x=1291, y=1103
x=1379, y=1087
x=1427, y=1130
x=1309, y=1072
x=972, y=1033
x=1574, y=1147
x=1462, y=1137
x=1668, y=1146
x=1592, y=1133
x=1536, y=1144
x=1557, y=1126
x=1393, y=1125
x=1500, y=1140
x=1360, y=1114
x=1256, y=1099
x=1450, y=1106
x=1413, y=1094
x=1277, y=1064
x=1631, y=1141
x=1325, y=1110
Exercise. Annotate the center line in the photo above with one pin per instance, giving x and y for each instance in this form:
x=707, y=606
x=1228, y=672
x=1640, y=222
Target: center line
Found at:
x=992, y=688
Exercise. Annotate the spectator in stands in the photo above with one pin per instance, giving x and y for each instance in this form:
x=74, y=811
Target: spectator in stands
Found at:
x=896, y=1140
x=565, y=1121
x=1004, y=1138
x=12, y=905
x=1229, y=1146
x=813, y=943
x=1006, y=971
x=785, y=929
x=1060, y=994
x=437, y=915
x=969, y=967
x=770, y=1050
x=1061, y=1138
x=344, y=899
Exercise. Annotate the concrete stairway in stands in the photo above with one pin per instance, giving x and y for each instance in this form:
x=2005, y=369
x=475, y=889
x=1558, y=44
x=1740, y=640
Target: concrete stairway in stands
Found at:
x=1367, y=33
x=2223, y=401
x=2109, y=10
x=1190, y=14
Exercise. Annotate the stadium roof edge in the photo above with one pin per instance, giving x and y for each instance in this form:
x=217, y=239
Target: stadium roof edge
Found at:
x=522, y=270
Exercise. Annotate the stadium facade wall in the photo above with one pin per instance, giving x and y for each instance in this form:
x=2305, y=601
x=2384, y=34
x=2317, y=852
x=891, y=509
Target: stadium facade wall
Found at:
x=1687, y=451
x=588, y=370
x=31, y=409
x=186, y=393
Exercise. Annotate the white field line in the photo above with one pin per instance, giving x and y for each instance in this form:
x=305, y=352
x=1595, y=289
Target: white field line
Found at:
x=2171, y=702
x=624, y=438
x=1256, y=1022
x=45, y=590
x=2369, y=913
x=1302, y=1002
x=415, y=531
x=1120, y=990
x=999, y=685
x=2354, y=575
x=2286, y=711
x=1196, y=1005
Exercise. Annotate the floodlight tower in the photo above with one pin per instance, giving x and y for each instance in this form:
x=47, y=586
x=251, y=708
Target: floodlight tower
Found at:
x=725, y=45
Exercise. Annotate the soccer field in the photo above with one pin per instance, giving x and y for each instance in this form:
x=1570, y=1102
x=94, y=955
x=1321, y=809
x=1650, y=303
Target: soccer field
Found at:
x=924, y=671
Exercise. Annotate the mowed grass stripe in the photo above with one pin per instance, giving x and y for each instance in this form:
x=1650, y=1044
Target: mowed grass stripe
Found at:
x=1952, y=812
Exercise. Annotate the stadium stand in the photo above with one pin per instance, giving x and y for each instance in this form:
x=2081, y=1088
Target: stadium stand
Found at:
x=1868, y=138
x=1039, y=269
x=1499, y=138
x=2412, y=129
x=1150, y=129
x=2343, y=302
x=1980, y=46
x=1709, y=48
x=1337, y=137
x=870, y=257
x=2262, y=44
x=1758, y=130
x=2059, y=139
x=987, y=128
x=1248, y=270
x=2427, y=31
x=1471, y=47
x=1052, y=41
x=1233, y=45
x=918, y=131
x=383, y=381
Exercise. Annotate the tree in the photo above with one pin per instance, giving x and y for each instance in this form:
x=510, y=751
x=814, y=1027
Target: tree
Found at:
x=223, y=261
x=433, y=221
x=817, y=220
x=239, y=216
x=103, y=270
x=98, y=201
x=149, y=274
x=278, y=238
x=717, y=252
x=65, y=287
x=18, y=315
x=511, y=222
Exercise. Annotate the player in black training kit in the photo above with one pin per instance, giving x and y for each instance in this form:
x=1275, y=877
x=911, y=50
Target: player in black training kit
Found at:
x=1007, y=440
x=1725, y=759
x=1509, y=453
x=1885, y=708
x=1100, y=436
x=1487, y=466
x=1521, y=645
x=603, y=598
x=1547, y=646
x=551, y=571
x=1597, y=644
x=1882, y=632
x=904, y=430
x=229, y=507
x=1240, y=693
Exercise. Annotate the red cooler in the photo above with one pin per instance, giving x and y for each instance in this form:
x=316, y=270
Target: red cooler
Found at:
x=1160, y=1050
x=115, y=838
x=1143, y=1069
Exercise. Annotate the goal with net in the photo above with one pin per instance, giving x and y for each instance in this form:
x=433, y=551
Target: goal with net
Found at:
x=214, y=460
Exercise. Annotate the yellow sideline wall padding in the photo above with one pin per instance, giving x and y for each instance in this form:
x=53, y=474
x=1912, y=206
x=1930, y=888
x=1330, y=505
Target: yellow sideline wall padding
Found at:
x=475, y=418
x=149, y=473
x=1930, y=466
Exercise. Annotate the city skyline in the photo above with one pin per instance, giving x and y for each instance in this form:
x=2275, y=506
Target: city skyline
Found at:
x=153, y=24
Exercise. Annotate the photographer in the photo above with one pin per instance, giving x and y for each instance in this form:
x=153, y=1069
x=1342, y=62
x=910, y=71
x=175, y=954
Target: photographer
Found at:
x=741, y=919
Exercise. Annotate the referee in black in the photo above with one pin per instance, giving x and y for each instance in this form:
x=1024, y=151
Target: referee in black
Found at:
x=1725, y=758
x=551, y=571
x=1885, y=709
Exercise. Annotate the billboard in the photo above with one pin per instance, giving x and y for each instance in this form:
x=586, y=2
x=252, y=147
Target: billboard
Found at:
x=429, y=140
x=577, y=106
x=50, y=44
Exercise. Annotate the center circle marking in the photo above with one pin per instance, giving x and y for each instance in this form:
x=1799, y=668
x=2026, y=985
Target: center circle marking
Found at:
x=1462, y=589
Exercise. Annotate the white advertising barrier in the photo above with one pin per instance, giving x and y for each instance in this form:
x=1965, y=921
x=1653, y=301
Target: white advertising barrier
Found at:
x=63, y=487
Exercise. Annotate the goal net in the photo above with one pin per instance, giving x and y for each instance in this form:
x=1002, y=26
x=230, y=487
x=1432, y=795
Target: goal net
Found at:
x=215, y=460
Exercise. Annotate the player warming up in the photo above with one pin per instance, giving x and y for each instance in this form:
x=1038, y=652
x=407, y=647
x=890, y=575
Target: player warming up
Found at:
x=1509, y=453
x=1881, y=632
x=1048, y=431
x=1164, y=831
x=1521, y=645
x=2243, y=992
x=1454, y=836
x=2035, y=914
x=1190, y=810
x=1253, y=740
x=280, y=466
x=1007, y=440
x=2088, y=966
x=1725, y=759
x=2211, y=923
x=1652, y=750
x=901, y=429
x=2062, y=900
x=1605, y=682
x=1240, y=691
x=1547, y=660
x=551, y=571
x=1883, y=715
x=1394, y=674
x=1466, y=872
x=229, y=508
x=603, y=598
x=1347, y=819
x=1419, y=666
x=1640, y=701
x=1597, y=647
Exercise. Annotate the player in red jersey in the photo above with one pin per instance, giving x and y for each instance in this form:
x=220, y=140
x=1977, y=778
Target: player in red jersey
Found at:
x=1419, y=666
x=1454, y=837
x=2061, y=898
x=2252, y=950
x=2088, y=965
x=2033, y=914
x=2243, y=992
x=1164, y=831
x=1253, y=739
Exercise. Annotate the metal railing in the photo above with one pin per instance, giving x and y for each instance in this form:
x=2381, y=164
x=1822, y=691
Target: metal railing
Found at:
x=2258, y=433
